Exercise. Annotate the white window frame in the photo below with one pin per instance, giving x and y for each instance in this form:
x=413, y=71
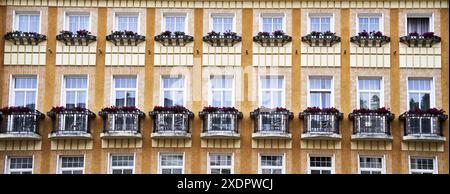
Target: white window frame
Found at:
x=283, y=162
x=16, y=18
x=435, y=165
x=432, y=92
x=383, y=164
x=67, y=20
x=232, y=90
x=59, y=163
x=308, y=97
x=333, y=163
x=64, y=90
x=272, y=15
x=222, y=15
x=8, y=162
x=111, y=168
x=127, y=14
x=209, y=167
x=312, y=15
x=162, y=89
x=420, y=15
x=13, y=90
x=160, y=167
x=381, y=90
x=283, y=91
x=114, y=89
x=371, y=15
x=174, y=14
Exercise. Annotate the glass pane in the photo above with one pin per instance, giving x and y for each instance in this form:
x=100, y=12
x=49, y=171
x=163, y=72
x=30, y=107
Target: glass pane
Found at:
x=31, y=100
x=363, y=24
x=25, y=82
x=414, y=100
x=425, y=101
x=120, y=98
x=131, y=98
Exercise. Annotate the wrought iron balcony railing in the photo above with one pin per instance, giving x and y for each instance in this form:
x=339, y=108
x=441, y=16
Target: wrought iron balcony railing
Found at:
x=171, y=123
x=423, y=126
x=220, y=123
x=20, y=124
x=271, y=123
x=121, y=123
x=71, y=123
x=321, y=124
x=371, y=125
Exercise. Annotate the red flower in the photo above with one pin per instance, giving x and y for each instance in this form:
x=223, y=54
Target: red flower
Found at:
x=12, y=109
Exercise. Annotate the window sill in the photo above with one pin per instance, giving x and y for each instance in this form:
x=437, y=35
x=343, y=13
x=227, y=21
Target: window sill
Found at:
x=70, y=135
x=372, y=136
x=121, y=135
x=321, y=136
x=171, y=135
x=20, y=136
x=424, y=138
x=220, y=135
x=271, y=135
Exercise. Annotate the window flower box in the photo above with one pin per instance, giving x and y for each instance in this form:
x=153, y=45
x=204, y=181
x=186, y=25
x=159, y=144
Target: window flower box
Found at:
x=423, y=125
x=321, y=39
x=372, y=39
x=277, y=38
x=19, y=123
x=171, y=122
x=168, y=38
x=321, y=123
x=221, y=40
x=427, y=39
x=271, y=123
x=82, y=37
x=25, y=38
x=125, y=38
x=220, y=122
x=372, y=124
x=121, y=122
x=70, y=122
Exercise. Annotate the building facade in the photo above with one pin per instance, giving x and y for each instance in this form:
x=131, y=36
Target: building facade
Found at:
x=218, y=86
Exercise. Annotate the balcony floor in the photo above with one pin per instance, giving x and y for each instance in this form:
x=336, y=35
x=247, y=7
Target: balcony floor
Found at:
x=424, y=138
x=121, y=135
x=372, y=136
x=73, y=135
x=171, y=135
x=20, y=136
x=321, y=136
x=220, y=135
x=271, y=135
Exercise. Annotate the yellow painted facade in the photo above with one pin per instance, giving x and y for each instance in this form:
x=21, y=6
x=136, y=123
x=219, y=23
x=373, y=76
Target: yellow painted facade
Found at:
x=246, y=61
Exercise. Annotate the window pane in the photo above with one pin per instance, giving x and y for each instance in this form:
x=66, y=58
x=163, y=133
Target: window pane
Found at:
x=76, y=82
x=419, y=25
x=25, y=82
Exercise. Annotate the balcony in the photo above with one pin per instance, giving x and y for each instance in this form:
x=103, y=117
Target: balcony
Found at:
x=171, y=122
x=371, y=124
x=271, y=123
x=276, y=39
x=423, y=126
x=121, y=123
x=321, y=124
x=70, y=123
x=20, y=124
x=220, y=123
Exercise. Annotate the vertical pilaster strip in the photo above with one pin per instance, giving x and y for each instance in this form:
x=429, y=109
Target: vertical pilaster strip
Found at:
x=197, y=91
x=2, y=46
x=345, y=92
x=97, y=125
x=444, y=83
x=148, y=92
x=296, y=88
x=49, y=89
x=246, y=126
x=395, y=90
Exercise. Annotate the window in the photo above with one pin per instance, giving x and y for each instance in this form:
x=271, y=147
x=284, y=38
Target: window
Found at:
x=369, y=92
x=271, y=164
x=420, y=93
x=272, y=22
x=77, y=21
x=71, y=165
x=369, y=23
x=422, y=165
x=371, y=165
x=28, y=21
x=24, y=91
x=171, y=163
x=320, y=92
x=175, y=22
x=75, y=91
x=320, y=23
x=173, y=90
x=220, y=164
x=222, y=22
x=128, y=22
x=125, y=90
x=321, y=165
x=222, y=94
x=272, y=91
x=418, y=23
x=19, y=165
x=121, y=164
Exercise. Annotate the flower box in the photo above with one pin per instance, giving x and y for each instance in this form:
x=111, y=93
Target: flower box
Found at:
x=372, y=39
x=168, y=38
x=221, y=40
x=321, y=39
x=82, y=37
x=25, y=38
x=276, y=39
x=427, y=39
x=125, y=38
x=120, y=110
